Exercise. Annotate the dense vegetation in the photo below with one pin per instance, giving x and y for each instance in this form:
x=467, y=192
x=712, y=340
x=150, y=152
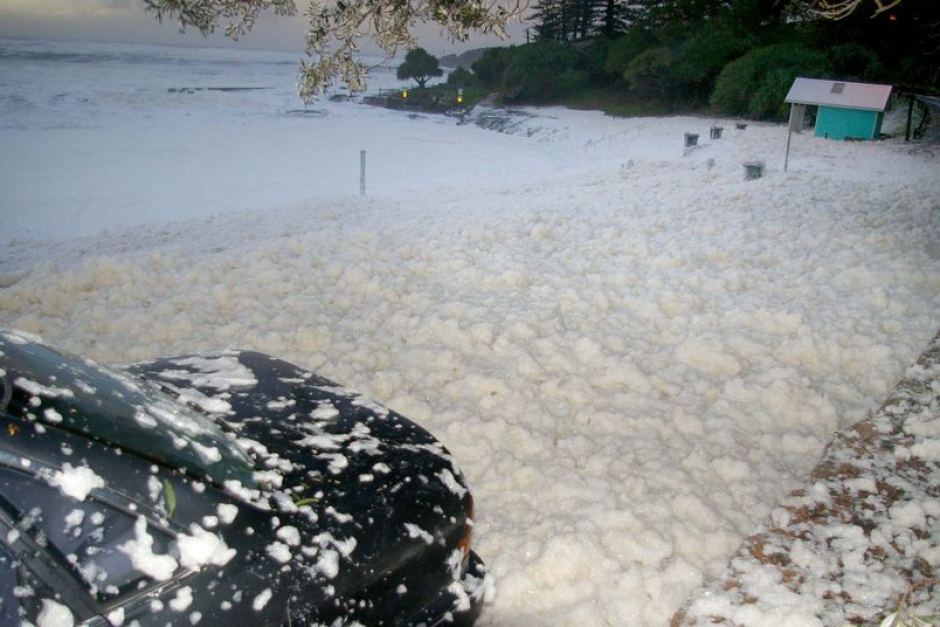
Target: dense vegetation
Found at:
x=460, y=92
x=735, y=57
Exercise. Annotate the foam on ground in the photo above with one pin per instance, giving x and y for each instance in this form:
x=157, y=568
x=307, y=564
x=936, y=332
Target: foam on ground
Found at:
x=631, y=368
x=634, y=355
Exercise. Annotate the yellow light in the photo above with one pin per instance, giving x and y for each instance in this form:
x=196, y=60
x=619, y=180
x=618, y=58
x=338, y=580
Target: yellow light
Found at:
x=404, y=94
x=459, y=99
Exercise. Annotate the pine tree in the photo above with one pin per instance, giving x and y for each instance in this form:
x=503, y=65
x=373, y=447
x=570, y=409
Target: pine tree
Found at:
x=572, y=20
x=616, y=17
x=551, y=20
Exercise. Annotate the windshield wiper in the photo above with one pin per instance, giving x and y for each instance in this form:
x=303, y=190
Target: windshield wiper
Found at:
x=6, y=392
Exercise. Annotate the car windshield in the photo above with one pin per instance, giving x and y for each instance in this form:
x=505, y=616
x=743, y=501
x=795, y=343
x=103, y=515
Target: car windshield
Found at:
x=82, y=396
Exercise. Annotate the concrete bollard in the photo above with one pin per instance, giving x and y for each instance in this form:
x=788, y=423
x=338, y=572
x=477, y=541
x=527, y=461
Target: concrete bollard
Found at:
x=715, y=132
x=753, y=170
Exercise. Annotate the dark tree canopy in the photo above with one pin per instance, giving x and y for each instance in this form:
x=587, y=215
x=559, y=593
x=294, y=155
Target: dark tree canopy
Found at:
x=574, y=20
x=570, y=20
x=419, y=65
x=736, y=57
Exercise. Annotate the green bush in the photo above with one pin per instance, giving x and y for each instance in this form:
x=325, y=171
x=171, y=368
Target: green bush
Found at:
x=732, y=93
x=701, y=59
x=490, y=67
x=626, y=48
x=541, y=72
x=649, y=74
x=751, y=84
x=462, y=77
x=854, y=62
x=593, y=59
x=768, y=101
x=571, y=81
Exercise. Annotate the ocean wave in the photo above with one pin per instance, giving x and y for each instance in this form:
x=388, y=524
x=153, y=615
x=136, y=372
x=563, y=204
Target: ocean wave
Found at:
x=19, y=54
x=14, y=103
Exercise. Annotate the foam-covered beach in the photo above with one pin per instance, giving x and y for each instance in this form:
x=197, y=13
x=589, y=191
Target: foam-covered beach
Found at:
x=633, y=352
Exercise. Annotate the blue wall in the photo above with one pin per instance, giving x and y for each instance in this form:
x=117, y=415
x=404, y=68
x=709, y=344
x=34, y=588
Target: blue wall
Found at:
x=837, y=123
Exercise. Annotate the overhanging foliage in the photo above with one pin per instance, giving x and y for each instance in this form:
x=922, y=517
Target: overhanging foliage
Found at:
x=335, y=29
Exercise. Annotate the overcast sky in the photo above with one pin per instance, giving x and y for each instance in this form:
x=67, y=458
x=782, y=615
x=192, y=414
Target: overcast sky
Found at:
x=126, y=20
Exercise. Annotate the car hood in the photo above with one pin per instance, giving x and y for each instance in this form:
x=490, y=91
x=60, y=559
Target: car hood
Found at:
x=347, y=493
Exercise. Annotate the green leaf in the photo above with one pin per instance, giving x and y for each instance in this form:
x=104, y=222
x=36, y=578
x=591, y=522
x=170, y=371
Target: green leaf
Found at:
x=170, y=494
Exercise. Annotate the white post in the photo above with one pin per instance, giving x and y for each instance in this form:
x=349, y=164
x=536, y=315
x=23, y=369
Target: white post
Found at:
x=786, y=158
x=362, y=172
x=794, y=124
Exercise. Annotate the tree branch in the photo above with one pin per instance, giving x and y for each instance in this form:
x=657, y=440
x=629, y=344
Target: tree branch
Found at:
x=334, y=29
x=840, y=9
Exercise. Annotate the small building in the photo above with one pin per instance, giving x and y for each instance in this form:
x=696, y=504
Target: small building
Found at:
x=846, y=110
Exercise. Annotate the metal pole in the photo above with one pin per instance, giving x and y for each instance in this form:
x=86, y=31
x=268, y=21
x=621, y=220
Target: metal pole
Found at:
x=362, y=172
x=910, y=114
x=786, y=159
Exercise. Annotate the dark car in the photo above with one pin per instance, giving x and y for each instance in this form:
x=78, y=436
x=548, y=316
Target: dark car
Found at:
x=229, y=488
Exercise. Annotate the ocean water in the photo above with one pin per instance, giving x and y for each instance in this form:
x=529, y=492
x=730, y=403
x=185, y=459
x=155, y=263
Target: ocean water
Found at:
x=47, y=84
x=95, y=136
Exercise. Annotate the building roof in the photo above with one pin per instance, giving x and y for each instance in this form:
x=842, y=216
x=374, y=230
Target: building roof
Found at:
x=843, y=94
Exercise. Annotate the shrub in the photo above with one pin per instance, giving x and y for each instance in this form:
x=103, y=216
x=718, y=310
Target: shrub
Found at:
x=854, y=62
x=541, y=71
x=767, y=101
x=702, y=57
x=461, y=77
x=649, y=75
x=626, y=48
x=593, y=59
x=571, y=81
x=749, y=85
x=490, y=67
